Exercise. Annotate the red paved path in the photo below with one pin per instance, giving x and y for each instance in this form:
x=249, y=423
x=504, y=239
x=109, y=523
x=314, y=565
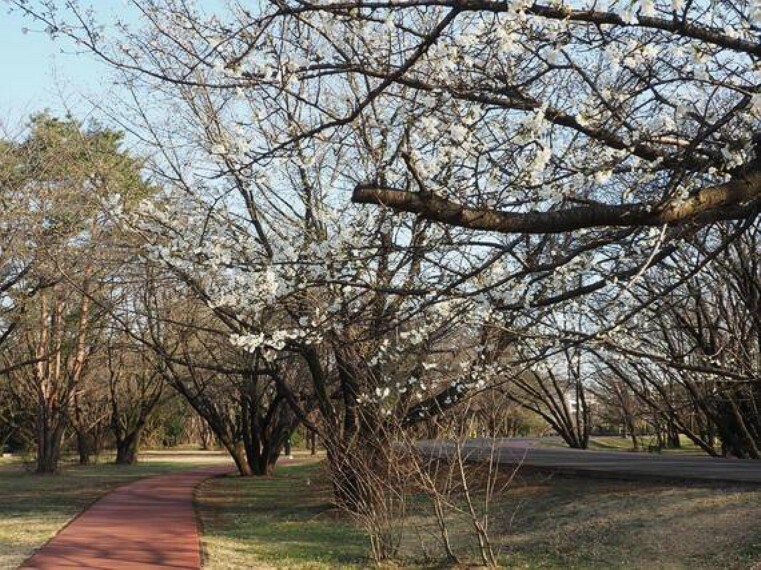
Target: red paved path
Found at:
x=146, y=524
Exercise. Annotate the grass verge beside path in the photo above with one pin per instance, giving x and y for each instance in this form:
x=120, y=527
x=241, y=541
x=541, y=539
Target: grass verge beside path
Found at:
x=582, y=522
x=541, y=522
x=34, y=507
x=284, y=521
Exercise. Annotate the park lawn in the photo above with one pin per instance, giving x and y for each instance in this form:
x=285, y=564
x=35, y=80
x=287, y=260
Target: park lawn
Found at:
x=283, y=521
x=540, y=522
x=582, y=522
x=34, y=507
x=618, y=443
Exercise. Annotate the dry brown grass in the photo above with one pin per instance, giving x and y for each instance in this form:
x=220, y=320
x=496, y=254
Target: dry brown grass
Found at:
x=571, y=522
x=541, y=521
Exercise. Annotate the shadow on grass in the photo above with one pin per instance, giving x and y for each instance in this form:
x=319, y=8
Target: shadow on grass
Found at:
x=541, y=521
x=567, y=522
x=286, y=520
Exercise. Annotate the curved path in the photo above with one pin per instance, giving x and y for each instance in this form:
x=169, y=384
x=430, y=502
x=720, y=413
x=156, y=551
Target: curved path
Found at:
x=146, y=524
x=627, y=465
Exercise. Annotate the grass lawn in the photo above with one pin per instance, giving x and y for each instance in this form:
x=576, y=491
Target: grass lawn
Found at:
x=541, y=522
x=34, y=507
x=569, y=522
x=618, y=443
x=284, y=521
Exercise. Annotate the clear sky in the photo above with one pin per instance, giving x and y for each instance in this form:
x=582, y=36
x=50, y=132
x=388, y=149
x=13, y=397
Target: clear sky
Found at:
x=37, y=73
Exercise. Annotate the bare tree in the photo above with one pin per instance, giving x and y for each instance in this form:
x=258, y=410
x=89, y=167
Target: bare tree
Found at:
x=556, y=392
x=695, y=357
x=66, y=177
x=135, y=386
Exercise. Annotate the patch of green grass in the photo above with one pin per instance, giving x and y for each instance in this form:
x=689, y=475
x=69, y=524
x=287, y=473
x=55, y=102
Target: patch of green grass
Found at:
x=562, y=522
x=618, y=443
x=284, y=521
x=567, y=522
x=540, y=521
x=613, y=443
x=34, y=507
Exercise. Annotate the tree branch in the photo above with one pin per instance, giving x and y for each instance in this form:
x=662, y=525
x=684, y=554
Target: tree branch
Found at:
x=736, y=199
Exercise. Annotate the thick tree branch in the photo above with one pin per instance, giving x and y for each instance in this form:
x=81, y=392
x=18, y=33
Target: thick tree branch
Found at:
x=736, y=199
x=677, y=26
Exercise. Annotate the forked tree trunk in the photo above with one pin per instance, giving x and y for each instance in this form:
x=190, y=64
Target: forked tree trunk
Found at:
x=127, y=449
x=266, y=432
x=348, y=490
x=262, y=455
x=55, y=385
x=264, y=465
x=48, y=423
x=49, y=440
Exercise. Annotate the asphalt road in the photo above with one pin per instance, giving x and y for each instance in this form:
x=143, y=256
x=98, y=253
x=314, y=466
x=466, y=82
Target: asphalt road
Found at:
x=611, y=464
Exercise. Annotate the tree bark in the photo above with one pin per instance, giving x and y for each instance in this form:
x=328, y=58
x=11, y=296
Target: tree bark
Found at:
x=735, y=199
x=85, y=447
x=238, y=452
x=127, y=449
x=48, y=450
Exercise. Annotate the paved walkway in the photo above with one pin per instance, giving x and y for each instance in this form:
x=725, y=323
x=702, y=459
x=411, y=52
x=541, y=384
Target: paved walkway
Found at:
x=146, y=524
x=614, y=464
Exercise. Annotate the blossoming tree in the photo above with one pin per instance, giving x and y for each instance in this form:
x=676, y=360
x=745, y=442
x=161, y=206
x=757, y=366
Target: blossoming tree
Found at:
x=547, y=154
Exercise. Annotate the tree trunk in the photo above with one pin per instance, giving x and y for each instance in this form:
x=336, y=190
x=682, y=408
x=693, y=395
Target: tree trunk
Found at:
x=238, y=453
x=84, y=447
x=127, y=449
x=47, y=462
x=265, y=464
x=672, y=432
x=205, y=436
x=262, y=456
x=287, y=447
x=348, y=490
x=48, y=454
x=49, y=439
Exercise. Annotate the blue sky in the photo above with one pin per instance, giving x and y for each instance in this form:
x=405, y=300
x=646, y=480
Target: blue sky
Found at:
x=37, y=73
